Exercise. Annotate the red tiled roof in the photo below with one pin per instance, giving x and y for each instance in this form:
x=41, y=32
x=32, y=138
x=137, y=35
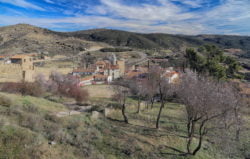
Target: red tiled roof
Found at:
x=87, y=78
x=107, y=65
x=100, y=76
x=4, y=56
x=133, y=74
x=100, y=63
x=170, y=74
x=84, y=70
x=114, y=67
x=19, y=56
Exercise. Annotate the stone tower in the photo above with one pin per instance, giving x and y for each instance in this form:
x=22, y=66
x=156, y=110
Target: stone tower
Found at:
x=122, y=67
x=26, y=63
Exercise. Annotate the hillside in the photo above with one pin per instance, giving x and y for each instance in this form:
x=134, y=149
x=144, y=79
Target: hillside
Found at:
x=33, y=122
x=23, y=38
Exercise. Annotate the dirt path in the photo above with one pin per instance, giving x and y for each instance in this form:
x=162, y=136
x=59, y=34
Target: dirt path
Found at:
x=73, y=110
x=67, y=113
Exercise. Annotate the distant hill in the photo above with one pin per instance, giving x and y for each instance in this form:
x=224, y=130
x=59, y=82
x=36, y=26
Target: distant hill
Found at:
x=136, y=40
x=23, y=38
x=27, y=38
x=158, y=40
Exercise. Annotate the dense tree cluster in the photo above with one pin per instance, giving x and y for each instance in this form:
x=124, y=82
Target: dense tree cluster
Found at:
x=211, y=60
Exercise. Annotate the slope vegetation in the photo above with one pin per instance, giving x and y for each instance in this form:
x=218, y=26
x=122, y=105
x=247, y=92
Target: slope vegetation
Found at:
x=32, y=122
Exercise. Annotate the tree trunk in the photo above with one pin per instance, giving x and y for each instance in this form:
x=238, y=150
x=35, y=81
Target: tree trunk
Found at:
x=138, y=105
x=159, y=115
x=147, y=104
x=123, y=113
x=190, y=127
x=201, y=134
x=199, y=145
x=152, y=102
x=124, y=108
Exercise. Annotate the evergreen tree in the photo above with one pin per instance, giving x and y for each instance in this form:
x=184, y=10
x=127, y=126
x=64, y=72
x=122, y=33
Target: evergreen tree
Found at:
x=211, y=60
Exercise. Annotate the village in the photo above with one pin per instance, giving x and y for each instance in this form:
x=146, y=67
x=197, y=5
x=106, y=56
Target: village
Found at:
x=101, y=71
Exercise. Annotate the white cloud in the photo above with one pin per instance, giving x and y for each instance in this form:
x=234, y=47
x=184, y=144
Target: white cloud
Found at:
x=23, y=4
x=165, y=12
x=104, y=22
x=230, y=17
x=49, y=1
x=191, y=3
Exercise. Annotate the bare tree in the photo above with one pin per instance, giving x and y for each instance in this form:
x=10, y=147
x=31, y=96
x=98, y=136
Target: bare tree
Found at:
x=65, y=85
x=206, y=102
x=166, y=90
x=138, y=89
x=121, y=95
x=41, y=80
x=161, y=87
x=150, y=86
x=239, y=104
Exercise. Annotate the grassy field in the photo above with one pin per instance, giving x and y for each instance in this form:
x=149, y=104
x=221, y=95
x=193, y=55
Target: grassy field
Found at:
x=31, y=121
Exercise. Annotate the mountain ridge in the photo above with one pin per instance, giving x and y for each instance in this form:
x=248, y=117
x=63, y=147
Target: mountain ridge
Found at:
x=29, y=38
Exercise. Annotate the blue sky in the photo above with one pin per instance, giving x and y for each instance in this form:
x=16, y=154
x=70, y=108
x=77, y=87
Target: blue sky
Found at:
x=146, y=16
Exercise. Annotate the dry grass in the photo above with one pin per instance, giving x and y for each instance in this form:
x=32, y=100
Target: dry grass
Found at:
x=63, y=67
x=99, y=91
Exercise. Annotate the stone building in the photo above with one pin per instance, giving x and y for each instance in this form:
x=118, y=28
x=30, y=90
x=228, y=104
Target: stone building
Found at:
x=26, y=63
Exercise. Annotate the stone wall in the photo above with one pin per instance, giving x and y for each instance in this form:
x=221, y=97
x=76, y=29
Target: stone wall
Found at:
x=14, y=73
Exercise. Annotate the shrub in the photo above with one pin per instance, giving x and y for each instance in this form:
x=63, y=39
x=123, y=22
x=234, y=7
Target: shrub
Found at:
x=25, y=88
x=68, y=86
x=5, y=101
x=51, y=130
x=11, y=87
x=52, y=118
x=32, y=89
x=78, y=94
x=29, y=107
x=58, y=84
x=2, y=123
x=33, y=122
